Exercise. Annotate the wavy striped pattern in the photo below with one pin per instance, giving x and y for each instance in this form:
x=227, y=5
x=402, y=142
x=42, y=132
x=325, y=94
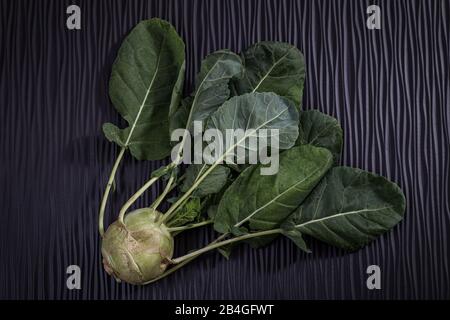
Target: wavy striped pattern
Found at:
x=389, y=88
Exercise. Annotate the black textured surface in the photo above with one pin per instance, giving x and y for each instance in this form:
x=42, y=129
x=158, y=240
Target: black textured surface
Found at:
x=389, y=88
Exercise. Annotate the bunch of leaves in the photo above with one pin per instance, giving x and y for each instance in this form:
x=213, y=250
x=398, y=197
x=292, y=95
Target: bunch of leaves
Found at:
x=261, y=88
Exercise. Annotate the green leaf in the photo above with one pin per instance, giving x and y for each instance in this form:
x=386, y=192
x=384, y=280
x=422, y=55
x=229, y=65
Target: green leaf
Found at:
x=177, y=93
x=261, y=202
x=321, y=130
x=260, y=242
x=113, y=134
x=212, y=210
x=173, y=199
x=211, y=88
x=145, y=87
x=253, y=112
x=188, y=213
x=180, y=115
x=349, y=208
x=297, y=238
x=165, y=172
x=213, y=200
x=225, y=251
x=273, y=67
x=213, y=183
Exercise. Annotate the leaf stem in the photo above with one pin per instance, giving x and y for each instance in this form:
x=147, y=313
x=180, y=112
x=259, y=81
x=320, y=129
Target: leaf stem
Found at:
x=112, y=175
x=223, y=236
x=135, y=196
x=174, y=163
x=201, y=178
x=189, y=192
x=167, y=189
x=179, y=265
x=167, y=221
x=190, y=226
x=171, y=270
x=161, y=197
x=216, y=245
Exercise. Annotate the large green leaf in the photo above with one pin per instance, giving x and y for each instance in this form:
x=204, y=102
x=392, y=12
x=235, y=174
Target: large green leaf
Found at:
x=213, y=183
x=273, y=67
x=255, y=111
x=145, y=87
x=211, y=88
x=349, y=208
x=259, y=202
x=252, y=113
x=321, y=130
x=188, y=213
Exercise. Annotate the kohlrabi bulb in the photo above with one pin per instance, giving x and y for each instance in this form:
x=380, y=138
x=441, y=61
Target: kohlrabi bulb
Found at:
x=138, y=251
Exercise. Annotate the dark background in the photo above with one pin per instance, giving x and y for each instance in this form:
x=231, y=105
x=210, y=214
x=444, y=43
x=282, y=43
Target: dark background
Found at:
x=390, y=89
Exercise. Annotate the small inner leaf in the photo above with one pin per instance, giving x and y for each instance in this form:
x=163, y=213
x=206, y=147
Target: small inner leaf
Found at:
x=188, y=213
